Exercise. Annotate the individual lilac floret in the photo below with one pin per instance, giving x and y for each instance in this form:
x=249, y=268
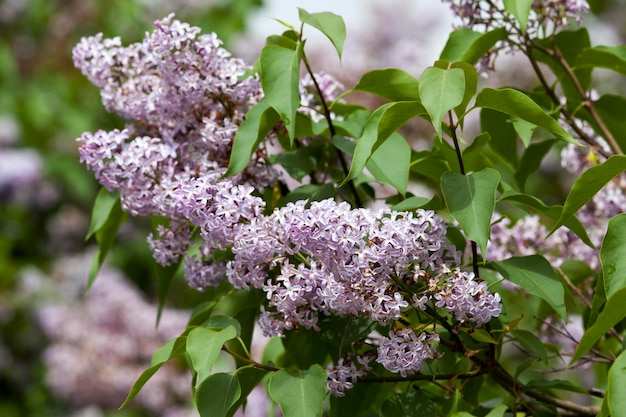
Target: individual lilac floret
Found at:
x=405, y=352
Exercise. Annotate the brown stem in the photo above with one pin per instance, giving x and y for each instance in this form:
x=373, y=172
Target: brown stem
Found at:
x=250, y=361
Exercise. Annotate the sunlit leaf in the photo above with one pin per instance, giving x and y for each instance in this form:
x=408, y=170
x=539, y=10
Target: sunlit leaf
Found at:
x=380, y=126
x=440, y=91
x=280, y=78
x=166, y=352
x=613, y=255
x=471, y=201
x=469, y=46
x=518, y=104
x=329, y=24
x=102, y=208
x=391, y=83
x=204, y=346
x=520, y=9
x=299, y=393
x=617, y=380
x=259, y=120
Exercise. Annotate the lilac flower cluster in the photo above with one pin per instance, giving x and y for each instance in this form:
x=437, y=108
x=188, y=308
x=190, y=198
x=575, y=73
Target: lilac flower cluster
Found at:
x=346, y=372
x=405, y=352
x=188, y=97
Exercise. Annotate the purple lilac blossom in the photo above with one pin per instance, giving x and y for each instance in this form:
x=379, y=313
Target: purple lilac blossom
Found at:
x=188, y=97
x=346, y=372
x=405, y=352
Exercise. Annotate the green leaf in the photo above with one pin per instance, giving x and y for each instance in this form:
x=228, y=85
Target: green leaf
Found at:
x=217, y=394
x=524, y=130
x=469, y=46
x=299, y=393
x=588, y=184
x=341, y=332
x=391, y=83
x=536, y=276
x=498, y=411
x=201, y=313
x=166, y=352
x=615, y=391
x=481, y=335
x=613, y=255
x=609, y=57
x=411, y=203
x=395, y=149
x=410, y=404
x=102, y=209
x=298, y=163
x=471, y=201
x=531, y=160
x=311, y=192
x=440, y=91
x=518, y=104
x=163, y=277
x=280, y=78
x=503, y=135
x=305, y=347
x=381, y=124
x=545, y=385
x=329, y=24
x=531, y=343
x=105, y=236
x=520, y=9
x=614, y=311
x=259, y=120
x=204, y=346
x=248, y=377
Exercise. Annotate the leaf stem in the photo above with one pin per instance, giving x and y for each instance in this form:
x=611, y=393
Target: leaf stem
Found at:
x=333, y=132
x=459, y=157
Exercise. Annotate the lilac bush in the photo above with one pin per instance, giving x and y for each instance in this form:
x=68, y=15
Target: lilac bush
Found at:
x=261, y=180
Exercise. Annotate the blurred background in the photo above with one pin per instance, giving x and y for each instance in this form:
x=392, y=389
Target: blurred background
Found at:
x=64, y=353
